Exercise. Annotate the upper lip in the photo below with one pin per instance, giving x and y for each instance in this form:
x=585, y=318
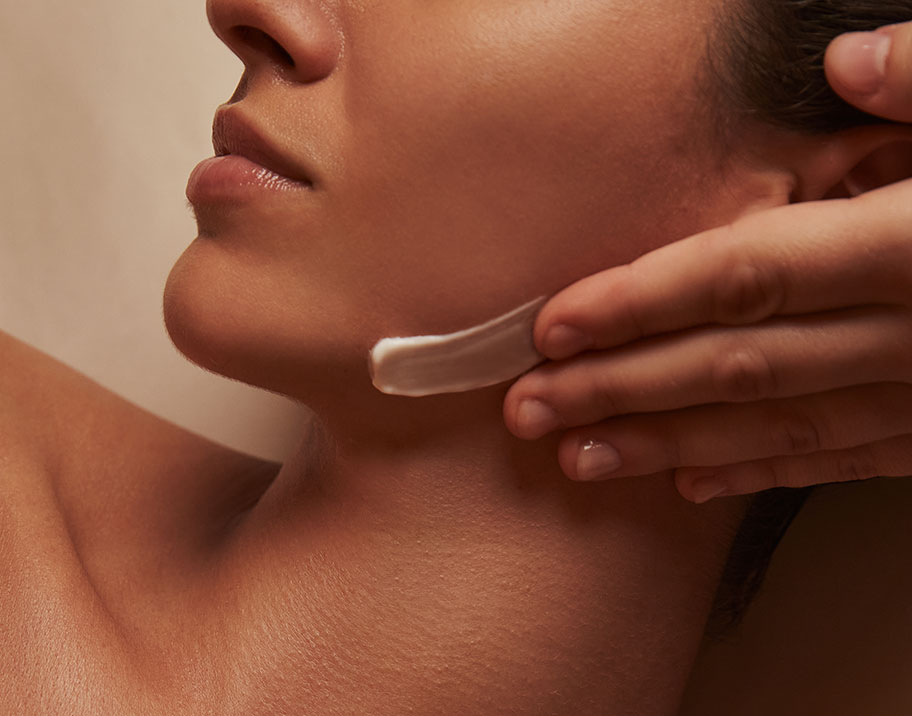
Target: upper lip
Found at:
x=234, y=134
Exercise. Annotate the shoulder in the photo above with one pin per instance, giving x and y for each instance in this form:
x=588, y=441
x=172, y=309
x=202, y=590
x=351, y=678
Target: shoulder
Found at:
x=54, y=416
x=105, y=507
x=47, y=407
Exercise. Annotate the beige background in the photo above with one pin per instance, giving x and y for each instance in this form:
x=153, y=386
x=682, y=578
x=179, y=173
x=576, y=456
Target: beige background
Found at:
x=107, y=106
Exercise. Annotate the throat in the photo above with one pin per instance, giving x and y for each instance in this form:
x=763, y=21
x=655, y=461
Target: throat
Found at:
x=472, y=551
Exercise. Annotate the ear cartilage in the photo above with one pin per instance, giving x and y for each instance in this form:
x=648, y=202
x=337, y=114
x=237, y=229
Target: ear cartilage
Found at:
x=477, y=357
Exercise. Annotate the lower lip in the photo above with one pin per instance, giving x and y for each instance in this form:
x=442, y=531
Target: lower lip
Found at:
x=232, y=178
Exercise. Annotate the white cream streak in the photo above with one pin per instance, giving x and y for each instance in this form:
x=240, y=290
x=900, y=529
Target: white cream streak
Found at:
x=477, y=357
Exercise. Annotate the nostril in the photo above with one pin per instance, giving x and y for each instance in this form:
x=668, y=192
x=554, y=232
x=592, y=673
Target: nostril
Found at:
x=241, y=90
x=263, y=44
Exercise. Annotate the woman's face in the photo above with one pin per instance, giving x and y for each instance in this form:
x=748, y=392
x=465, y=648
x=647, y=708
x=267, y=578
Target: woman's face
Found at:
x=465, y=156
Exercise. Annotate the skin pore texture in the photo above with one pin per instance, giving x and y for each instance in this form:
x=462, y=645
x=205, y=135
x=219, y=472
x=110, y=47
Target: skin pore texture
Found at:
x=465, y=157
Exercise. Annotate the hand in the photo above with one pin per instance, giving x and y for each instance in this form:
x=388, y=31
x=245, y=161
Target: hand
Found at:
x=873, y=70
x=774, y=352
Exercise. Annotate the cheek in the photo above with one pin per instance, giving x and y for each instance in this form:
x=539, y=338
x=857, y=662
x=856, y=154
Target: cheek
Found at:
x=479, y=166
x=515, y=190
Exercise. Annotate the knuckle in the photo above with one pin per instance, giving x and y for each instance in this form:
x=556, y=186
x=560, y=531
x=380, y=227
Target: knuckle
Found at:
x=743, y=374
x=630, y=307
x=897, y=368
x=893, y=264
x=537, y=383
x=779, y=474
x=795, y=434
x=748, y=293
x=671, y=450
x=605, y=399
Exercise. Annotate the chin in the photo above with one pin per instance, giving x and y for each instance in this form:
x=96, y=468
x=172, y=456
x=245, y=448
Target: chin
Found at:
x=225, y=315
x=198, y=312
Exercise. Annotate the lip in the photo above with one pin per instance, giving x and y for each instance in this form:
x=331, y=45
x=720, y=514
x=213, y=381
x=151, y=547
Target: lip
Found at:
x=245, y=161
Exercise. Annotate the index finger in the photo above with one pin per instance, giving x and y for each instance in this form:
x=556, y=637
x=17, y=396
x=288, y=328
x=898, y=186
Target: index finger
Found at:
x=796, y=259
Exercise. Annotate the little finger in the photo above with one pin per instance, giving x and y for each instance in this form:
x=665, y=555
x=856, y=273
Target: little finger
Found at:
x=886, y=458
x=720, y=434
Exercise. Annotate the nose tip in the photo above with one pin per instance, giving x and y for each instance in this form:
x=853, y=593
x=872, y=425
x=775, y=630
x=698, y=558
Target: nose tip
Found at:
x=297, y=38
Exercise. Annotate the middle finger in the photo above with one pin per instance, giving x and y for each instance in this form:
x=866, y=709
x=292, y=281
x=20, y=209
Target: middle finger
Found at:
x=778, y=358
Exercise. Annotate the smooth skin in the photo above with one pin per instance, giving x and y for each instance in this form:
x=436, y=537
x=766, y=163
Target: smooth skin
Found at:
x=411, y=557
x=771, y=352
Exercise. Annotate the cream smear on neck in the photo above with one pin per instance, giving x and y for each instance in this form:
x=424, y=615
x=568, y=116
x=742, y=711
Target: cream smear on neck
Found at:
x=476, y=357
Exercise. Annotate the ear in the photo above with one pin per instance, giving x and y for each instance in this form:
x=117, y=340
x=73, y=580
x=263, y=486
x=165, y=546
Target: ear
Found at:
x=848, y=163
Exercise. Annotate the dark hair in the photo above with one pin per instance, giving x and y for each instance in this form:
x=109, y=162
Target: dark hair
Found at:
x=766, y=522
x=764, y=60
x=764, y=63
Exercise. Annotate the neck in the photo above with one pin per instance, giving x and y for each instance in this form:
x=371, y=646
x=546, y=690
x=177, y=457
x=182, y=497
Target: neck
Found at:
x=419, y=457
x=440, y=485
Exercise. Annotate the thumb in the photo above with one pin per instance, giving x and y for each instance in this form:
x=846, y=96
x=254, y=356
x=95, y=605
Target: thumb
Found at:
x=873, y=70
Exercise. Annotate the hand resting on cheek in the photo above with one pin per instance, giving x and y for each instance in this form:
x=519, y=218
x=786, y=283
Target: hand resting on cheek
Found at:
x=772, y=352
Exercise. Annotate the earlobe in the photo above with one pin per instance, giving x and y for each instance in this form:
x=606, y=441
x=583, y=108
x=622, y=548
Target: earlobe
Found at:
x=851, y=162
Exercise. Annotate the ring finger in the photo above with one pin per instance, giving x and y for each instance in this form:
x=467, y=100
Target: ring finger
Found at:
x=725, y=434
x=779, y=358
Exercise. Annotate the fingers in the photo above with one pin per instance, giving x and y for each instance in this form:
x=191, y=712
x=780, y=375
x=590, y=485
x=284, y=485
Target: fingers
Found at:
x=873, y=70
x=720, y=435
x=777, y=358
x=886, y=458
x=796, y=259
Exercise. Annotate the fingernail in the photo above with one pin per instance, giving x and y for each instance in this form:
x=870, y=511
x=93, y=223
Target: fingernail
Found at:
x=860, y=60
x=596, y=459
x=706, y=488
x=534, y=418
x=563, y=341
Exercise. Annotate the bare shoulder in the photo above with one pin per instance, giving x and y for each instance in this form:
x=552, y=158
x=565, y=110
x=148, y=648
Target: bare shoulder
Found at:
x=48, y=407
x=103, y=506
x=88, y=438
x=27, y=383
x=42, y=400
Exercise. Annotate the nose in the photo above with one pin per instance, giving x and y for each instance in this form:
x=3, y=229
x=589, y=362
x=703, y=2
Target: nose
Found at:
x=296, y=38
